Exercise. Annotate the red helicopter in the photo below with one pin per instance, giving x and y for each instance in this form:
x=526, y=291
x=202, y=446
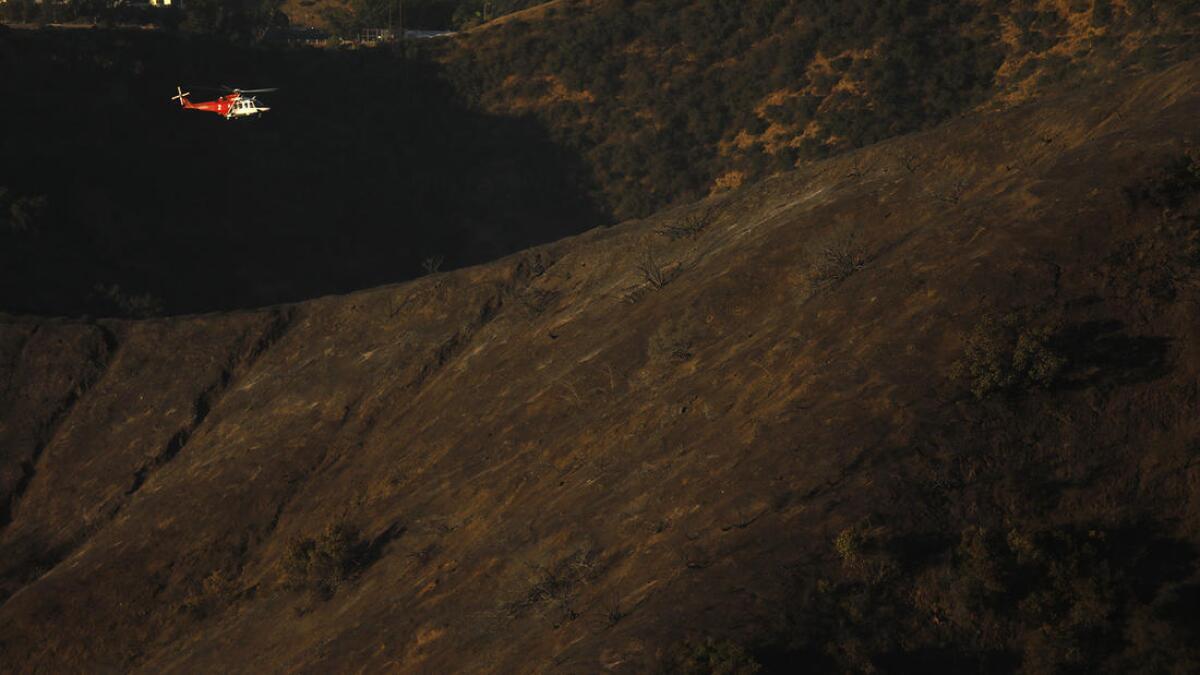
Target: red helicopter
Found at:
x=233, y=105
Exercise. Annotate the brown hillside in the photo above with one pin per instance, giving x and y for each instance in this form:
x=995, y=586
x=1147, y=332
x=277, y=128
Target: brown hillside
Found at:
x=669, y=101
x=573, y=458
x=536, y=12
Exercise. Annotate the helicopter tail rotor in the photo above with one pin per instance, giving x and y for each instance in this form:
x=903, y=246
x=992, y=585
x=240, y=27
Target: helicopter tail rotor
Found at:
x=181, y=96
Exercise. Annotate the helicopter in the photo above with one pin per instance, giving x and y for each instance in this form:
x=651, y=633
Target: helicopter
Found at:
x=232, y=105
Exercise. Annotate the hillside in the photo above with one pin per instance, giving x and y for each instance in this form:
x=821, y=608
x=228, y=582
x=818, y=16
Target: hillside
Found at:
x=672, y=100
x=929, y=405
x=430, y=14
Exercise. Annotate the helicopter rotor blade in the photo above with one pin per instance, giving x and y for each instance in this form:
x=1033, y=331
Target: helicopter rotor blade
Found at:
x=227, y=88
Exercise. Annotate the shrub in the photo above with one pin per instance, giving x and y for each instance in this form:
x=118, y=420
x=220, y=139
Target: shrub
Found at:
x=690, y=226
x=20, y=214
x=218, y=588
x=836, y=258
x=432, y=264
x=1009, y=353
x=983, y=568
x=320, y=564
x=554, y=589
x=125, y=303
x=1191, y=247
x=710, y=657
x=864, y=553
x=1170, y=186
x=537, y=300
x=675, y=339
x=655, y=274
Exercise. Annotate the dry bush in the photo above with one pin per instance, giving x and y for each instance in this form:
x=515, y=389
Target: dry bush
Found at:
x=983, y=571
x=691, y=225
x=1190, y=248
x=218, y=588
x=672, y=342
x=1170, y=186
x=1064, y=584
x=951, y=193
x=836, y=257
x=859, y=168
x=128, y=304
x=709, y=657
x=536, y=301
x=432, y=264
x=21, y=214
x=655, y=274
x=320, y=564
x=555, y=588
x=863, y=549
x=1010, y=353
x=907, y=159
x=676, y=339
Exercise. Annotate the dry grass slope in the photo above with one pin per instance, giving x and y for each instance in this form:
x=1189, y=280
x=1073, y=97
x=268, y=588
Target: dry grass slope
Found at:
x=752, y=460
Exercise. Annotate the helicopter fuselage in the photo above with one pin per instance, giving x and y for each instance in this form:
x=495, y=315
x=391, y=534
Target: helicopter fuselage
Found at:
x=231, y=106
